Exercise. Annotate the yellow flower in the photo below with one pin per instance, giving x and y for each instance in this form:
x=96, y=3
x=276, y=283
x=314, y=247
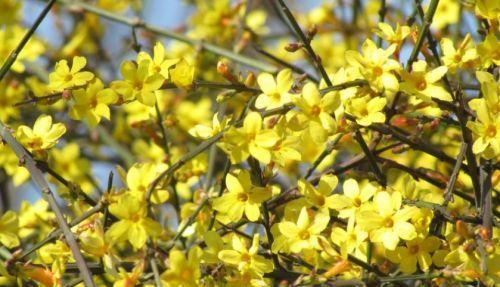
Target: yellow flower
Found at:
x=35, y=219
x=397, y=36
x=12, y=92
x=190, y=114
x=92, y=103
x=128, y=279
x=214, y=245
x=275, y=92
x=63, y=77
x=9, y=11
x=425, y=85
x=416, y=250
x=256, y=20
x=250, y=139
x=71, y=165
x=139, y=178
x=320, y=196
x=366, y=110
x=376, y=67
x=246, y=259
x=318, y=109
x=9, y=225
x=133, y=225
x=458, y=58
x=355, y=195
x=489, y=9
x=182, y=75
x=486, y=130
x=10, y=36
x=44, y=134
x=285, y=151
x=388, y=222
x=490, y=90
x=486, y=127
x=447, y=13
x=488, y=51
x=349, y=239
x=243, y=197
x=10, y=163
x=137, y=84
x=182, y=271
x=205, y=131
x=57, y=254
x=158, y=63
x=93, y=242
x=304, y=234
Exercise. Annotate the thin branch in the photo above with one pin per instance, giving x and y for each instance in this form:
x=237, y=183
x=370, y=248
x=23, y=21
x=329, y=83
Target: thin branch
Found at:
x=427, y=21
x=284, y=63
x=454, y=175
x=299, y=34
x=156, y=272
x=328, y=149
x=472, y=167
x=33, y=100
x=485, y=174
x=371, y=158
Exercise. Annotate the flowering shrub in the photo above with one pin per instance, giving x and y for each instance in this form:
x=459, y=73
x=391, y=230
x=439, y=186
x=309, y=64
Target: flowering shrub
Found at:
x=353, y=144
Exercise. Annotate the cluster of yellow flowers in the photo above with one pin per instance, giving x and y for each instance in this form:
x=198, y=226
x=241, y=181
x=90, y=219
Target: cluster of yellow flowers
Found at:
x=381, y=171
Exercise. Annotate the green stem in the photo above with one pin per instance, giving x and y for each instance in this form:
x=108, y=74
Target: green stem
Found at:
x=427, y=21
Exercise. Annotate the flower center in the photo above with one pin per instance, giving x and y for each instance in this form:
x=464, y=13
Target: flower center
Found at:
x=243, y=196
x=320, y=200
x=187, y=274
x=137, y=85
x=304, y=235
x=377, y=71
x=421, y=85
x=68, y=77
x=388, y=222
x=35, y=143
x=413, y=249
x=245, y=257
x=251, y=136
x=491, y=131
x=364, y=112
x=357, y=202
x=135, y=217
x=275, y=96
x=315, y=110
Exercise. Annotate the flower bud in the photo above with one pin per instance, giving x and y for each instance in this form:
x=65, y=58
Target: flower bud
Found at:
x=462, y=229
x=293, y=47
x=250, y=80
x=312, y=31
